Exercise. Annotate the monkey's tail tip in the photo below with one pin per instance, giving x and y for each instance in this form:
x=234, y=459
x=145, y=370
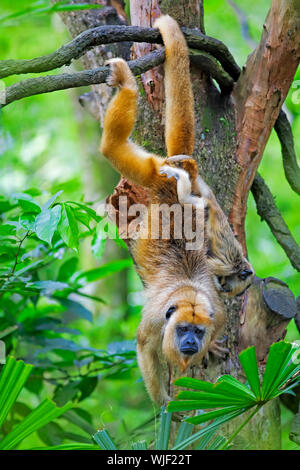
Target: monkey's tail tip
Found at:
x=171, y=34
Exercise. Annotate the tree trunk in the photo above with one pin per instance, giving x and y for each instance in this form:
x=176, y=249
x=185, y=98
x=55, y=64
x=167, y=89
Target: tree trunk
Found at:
x=231, y=133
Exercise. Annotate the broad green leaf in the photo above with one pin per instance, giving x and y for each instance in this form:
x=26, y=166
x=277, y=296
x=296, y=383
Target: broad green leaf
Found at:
x=163, y=435
x=46, y=223
x=249, y=364
x=7, y=229
x=105, y=270
x=27, y=203
x=68, y=227
x=48, y=287
x=185, y=431
x=104, y=441
x=76, y=308
x=12, y=379
x=211, y=400
x=51, y=201
x=196, y=384
x=88, y=210
x=278, y=358
x=229, y=385
x=47, y=411
x=223, y=415
x=67, y=269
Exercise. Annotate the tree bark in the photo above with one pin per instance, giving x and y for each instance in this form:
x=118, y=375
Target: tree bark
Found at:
x=231, y=134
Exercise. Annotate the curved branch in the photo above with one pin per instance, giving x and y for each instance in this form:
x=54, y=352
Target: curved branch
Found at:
x=50, y=83
x=289, y=158
x=268, y=211
x=109, y=34
x=211, y=66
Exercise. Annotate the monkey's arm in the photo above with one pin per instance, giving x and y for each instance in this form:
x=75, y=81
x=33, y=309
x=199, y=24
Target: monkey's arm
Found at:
x=153, y=372
x=179, y=95
x=129, y=159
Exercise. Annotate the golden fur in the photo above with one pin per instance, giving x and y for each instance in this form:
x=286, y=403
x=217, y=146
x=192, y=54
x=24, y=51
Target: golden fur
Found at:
x=172, y=276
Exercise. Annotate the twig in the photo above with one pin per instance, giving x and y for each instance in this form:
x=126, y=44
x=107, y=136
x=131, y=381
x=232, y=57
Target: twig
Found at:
x=268, y=211
x=242, y=17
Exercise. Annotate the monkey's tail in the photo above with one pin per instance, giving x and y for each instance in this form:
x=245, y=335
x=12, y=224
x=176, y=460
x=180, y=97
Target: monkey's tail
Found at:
x=180, y=119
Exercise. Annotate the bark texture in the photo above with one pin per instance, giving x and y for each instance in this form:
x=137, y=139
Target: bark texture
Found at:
x=231, y=134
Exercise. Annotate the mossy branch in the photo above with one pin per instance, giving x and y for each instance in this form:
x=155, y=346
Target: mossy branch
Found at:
x=268, y=211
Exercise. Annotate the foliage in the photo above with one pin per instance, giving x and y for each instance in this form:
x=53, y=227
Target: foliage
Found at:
x=206, y=438
x=232, y=398
x=12, y=379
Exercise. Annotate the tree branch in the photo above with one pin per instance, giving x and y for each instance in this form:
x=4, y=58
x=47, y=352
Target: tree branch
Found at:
x=50, y=83
x=259, y=94
x=268, y=211
x=110, y=34
x=290, y=165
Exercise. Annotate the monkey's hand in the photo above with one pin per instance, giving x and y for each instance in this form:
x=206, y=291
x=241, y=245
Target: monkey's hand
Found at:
x=184, y=186
x=120, y=75
x=186, y=163
x=217, y=349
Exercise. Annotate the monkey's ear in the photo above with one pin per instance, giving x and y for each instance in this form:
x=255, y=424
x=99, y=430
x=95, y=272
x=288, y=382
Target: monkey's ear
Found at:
x=170, y=311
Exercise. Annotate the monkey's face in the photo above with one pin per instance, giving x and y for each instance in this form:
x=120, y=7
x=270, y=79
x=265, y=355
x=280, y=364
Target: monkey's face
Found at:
x=188, y=329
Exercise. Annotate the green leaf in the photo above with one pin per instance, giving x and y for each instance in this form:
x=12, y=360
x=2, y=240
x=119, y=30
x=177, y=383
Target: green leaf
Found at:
x=278, y=359
x=69, y=447
x=81, y=419
x=76, y=308
x=27, y=203
x=211, y=400
x=47, y=411
x=88, y=210
x=51, y=201
x=163, y=436
x=12, y=379
x=46, y=223
x=105, y=270
x=249, y=364
x=67, y=269
x=196, y=384
x=68, y=227
x=184, y=432
x=104, y=441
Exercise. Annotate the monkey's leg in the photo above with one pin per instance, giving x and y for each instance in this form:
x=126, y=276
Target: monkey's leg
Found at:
x=129, y=159
x=179, y=96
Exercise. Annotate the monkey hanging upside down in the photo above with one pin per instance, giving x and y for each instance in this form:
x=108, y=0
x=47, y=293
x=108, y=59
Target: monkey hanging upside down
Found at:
x=183, y=314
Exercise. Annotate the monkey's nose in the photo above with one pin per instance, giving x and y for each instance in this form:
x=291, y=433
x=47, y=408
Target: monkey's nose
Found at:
x=244, y=274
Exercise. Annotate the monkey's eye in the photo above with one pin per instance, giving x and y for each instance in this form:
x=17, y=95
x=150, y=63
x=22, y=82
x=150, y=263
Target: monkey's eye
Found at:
x=199, y=331
x=182, y=329
x=170, y=311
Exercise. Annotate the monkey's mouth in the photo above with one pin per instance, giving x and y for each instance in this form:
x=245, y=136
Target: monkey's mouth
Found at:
x=189, y=351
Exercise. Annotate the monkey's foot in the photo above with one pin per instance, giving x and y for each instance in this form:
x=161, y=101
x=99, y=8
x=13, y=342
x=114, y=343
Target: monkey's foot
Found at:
x=120, y=74
x=216, y=348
